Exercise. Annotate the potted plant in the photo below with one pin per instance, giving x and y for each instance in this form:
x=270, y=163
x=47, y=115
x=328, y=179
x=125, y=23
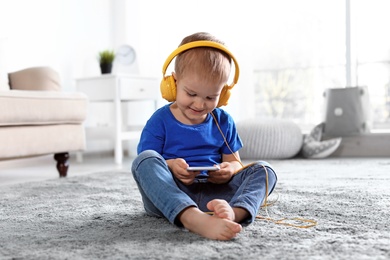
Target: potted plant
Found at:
x=106, y=59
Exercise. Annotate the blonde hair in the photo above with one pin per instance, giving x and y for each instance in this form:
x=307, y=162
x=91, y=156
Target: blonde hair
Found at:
x=209, y=63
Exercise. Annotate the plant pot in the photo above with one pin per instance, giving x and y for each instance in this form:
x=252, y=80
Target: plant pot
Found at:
x=106, y=68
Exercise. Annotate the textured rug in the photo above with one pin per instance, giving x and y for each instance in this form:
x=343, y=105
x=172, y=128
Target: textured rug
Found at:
x=100, y=216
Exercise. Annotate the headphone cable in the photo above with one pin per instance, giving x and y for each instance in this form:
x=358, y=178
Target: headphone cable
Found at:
x=311, y=223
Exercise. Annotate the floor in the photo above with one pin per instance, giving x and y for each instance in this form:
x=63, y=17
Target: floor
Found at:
x=44, y=167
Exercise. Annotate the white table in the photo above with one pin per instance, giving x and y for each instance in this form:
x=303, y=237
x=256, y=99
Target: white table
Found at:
x=118, y=88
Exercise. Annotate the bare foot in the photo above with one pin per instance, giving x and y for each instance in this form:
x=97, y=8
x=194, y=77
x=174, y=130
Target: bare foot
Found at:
x=212, y=227
x=222, y=209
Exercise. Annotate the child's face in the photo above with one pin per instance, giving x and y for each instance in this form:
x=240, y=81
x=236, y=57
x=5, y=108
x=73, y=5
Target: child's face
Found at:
x=195, y=98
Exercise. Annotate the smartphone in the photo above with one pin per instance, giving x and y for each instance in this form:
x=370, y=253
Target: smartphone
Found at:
x=203, y=168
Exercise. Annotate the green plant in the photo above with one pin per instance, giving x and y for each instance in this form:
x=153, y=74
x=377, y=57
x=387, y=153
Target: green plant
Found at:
x=106, y=56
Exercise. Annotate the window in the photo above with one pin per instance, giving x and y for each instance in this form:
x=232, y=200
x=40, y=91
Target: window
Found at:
x=306, y=53
x=371, y=20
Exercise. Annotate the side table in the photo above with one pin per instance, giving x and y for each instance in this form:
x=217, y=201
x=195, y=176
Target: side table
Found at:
x=118, y=88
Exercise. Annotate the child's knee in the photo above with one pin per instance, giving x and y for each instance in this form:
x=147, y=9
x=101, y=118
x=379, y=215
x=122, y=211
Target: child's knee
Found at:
x=266, y=168
x=263, y=163
x=143, y=157
x=148, y=154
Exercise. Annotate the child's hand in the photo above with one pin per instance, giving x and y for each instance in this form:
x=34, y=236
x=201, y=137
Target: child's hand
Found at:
x=223, y=175
x=179, y=169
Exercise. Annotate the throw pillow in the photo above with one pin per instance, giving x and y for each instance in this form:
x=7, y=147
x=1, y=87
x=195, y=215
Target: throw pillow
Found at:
x=35, y=78
x=315, y=148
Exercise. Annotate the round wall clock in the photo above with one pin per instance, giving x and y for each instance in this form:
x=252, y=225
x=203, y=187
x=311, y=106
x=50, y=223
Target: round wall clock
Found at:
x=125, y=55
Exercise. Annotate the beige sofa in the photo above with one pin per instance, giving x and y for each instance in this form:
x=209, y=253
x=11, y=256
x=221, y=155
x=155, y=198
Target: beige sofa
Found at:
x=37, y=118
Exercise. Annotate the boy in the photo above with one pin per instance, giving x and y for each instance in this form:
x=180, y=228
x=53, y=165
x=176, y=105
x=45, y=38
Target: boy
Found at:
x=192, y=131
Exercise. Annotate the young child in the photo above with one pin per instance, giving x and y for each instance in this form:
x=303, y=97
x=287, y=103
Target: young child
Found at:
x=193, y=131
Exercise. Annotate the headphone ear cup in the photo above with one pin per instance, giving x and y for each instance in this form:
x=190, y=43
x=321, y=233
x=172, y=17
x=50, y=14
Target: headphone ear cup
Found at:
x=224, y=96
x=168, y=88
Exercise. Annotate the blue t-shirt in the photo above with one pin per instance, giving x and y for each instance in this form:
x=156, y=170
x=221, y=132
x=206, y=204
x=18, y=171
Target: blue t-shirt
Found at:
x=199, y=145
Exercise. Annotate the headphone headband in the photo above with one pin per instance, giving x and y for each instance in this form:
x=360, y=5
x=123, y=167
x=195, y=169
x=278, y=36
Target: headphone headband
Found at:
x=196, y=44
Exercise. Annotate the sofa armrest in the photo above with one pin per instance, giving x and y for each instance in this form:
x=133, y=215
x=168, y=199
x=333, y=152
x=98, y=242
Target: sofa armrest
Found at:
x=23, y=107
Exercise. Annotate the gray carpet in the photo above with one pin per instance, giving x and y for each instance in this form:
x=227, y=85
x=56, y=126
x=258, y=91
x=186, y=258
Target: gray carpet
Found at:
x=100, y=216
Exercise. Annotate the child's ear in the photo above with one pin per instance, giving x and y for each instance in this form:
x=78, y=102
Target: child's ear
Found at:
x=174, y=75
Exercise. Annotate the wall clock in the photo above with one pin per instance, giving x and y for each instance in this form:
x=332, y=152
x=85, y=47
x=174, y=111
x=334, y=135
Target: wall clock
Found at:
x=125, y=55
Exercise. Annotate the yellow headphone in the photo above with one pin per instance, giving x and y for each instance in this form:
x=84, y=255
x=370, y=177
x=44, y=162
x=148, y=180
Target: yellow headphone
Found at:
x=168, y=84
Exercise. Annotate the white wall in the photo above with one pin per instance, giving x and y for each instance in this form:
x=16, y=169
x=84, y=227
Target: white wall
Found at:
x=63, y=34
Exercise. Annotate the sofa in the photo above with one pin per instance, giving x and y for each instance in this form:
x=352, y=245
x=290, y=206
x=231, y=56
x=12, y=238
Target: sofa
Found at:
x=38, y=118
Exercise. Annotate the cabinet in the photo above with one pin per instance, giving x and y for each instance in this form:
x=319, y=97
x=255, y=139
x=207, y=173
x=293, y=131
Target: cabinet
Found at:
x=119, y=88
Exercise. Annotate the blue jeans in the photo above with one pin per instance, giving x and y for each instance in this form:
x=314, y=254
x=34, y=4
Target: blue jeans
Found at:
x=163, y=195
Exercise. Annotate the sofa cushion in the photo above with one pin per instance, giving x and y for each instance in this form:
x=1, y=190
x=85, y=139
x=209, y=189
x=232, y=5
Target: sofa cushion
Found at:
x=269, y=139
x=36, y=78
x=19, y=107
x=24, y=141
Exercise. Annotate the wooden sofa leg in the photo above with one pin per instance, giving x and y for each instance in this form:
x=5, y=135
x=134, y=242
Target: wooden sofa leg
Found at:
x=62, y=163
